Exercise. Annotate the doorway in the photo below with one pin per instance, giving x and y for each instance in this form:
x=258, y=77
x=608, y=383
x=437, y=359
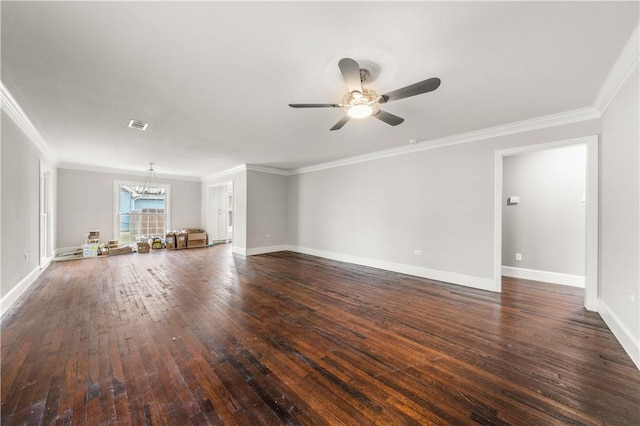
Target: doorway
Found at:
x=221, y=212
x=591, y=210
x=45, y=216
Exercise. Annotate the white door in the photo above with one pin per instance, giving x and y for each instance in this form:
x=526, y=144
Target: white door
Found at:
x=220, y=212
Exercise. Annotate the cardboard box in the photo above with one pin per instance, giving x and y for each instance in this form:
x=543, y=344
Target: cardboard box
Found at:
x=120, y=250
x=196, y=236
x=156, y=243
x=90, y=250
x=94, y=235
x=144, y=247
x=181, y=241
x=170, y=240
x=196, y=243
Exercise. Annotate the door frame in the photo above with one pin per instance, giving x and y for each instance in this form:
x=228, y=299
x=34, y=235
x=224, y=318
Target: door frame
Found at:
x=591, y=211
x=209, y=209
x=44, y=214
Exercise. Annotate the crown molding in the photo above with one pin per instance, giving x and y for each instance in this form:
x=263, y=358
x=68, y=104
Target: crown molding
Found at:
x=17, y=115
x=553, y=120
x=237, y=169
x=270, y=170
x=624, y=66
x=113, y=170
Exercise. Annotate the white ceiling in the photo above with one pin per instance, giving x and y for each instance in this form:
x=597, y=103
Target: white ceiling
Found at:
x=214, y=79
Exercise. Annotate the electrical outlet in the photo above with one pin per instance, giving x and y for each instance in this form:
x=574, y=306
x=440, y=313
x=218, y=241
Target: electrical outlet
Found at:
x=26, y=256
x=417, y=252
x=631, y=297
x=518, y=257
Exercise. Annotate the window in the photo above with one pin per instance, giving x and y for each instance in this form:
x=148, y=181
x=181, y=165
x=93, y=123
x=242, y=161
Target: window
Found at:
x=141, y=212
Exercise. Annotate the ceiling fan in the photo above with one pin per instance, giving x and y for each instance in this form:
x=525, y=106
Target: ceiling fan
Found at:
x=359, y=102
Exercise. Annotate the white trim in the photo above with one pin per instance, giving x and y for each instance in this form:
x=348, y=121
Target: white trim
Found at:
x=9, y=299
x=267, y=249
x=231, y=171
x=622, y=333
x=624, y=66
x=592, y=236
x=113, y=170
x=239, y=250
x=526, y=149
x=591, y=212
x=544, y=276
x=271, y=170
x=491, y=132
x=18, y=116
x=497, y=221
x=444, y=276
x=61, y=250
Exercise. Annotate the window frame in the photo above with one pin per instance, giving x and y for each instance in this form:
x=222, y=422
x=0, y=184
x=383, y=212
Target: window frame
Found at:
x=117, y=183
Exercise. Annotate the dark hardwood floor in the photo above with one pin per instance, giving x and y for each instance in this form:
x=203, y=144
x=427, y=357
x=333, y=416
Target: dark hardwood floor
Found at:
x=205, y=337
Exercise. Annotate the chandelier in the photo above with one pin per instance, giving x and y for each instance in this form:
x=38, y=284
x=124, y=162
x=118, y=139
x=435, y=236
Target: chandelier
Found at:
x=151, y=188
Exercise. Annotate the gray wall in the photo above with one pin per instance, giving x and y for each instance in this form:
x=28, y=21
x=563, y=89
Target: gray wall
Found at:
x=620, y=213
x=266, y=209
x=439, y=201
x=20, y=223
x=85, y=201
x=547, y=226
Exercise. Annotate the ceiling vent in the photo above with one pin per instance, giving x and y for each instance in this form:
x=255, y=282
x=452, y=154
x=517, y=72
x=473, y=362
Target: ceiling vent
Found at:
x=139, y=125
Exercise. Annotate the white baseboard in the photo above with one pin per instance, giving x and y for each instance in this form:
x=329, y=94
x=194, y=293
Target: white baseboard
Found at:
x=622, y=333
x=19, y=289
x=448, y=277
x=269, y=249
x=544, y=276
x=61, y=250
x=239, y=250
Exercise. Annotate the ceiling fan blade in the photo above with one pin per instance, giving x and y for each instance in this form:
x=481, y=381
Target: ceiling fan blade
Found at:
x=351, y=72
x=419, y=88
x=340, y=123
x=314, y=105
x=391, y=119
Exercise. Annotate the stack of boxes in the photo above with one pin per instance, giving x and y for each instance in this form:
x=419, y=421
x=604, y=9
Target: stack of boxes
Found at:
x=91, y=247
x=187, y=238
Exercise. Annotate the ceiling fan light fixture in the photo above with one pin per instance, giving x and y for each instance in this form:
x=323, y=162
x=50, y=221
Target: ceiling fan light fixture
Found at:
x=359, y=111
x=361, y=104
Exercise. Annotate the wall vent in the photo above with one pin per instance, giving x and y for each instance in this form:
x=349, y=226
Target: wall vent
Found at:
x=139, y=125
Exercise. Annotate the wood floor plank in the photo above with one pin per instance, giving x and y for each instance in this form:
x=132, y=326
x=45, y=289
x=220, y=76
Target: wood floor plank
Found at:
x=206, y=337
